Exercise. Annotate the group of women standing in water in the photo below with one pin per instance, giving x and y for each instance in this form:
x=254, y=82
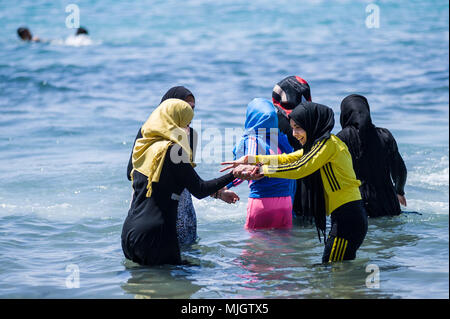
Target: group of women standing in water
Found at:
x=295, y=166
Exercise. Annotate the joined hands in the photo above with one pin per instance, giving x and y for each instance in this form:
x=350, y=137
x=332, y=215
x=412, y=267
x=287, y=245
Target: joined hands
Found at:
x=243, y=170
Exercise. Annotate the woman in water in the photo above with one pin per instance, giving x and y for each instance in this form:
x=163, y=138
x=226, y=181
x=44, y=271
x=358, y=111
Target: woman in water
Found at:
x=25, y=35
x=187, y=218
x=270, y=200
x=327, y=160
x=162, y=169
x=376, y=159
x=286, y=95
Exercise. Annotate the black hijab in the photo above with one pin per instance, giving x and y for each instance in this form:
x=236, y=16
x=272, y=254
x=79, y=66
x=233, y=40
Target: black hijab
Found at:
x=177, y=92
x=318, y=121
x=364, y=143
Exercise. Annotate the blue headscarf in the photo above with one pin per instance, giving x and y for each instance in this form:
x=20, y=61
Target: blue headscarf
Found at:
x=261, y=123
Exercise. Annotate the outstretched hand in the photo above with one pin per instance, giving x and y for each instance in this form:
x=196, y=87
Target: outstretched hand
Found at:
x=233, y=164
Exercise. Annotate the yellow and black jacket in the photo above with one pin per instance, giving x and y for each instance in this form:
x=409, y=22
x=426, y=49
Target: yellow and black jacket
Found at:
x=333, y=159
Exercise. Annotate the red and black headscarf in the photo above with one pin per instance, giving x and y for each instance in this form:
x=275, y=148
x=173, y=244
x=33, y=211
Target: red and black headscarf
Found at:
x=290, y=92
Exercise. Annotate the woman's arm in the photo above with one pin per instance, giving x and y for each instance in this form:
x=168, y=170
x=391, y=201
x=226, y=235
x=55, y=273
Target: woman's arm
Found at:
x=264, y=159
x=398, y=173
x=319, y=155
x=280, y=159
x=305, y=165
x=397, y=166
x=196, y=185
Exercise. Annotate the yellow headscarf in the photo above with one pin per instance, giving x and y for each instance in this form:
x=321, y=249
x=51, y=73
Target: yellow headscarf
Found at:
x=162, y=129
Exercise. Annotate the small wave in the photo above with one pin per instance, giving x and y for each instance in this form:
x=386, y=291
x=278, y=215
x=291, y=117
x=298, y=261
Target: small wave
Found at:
x=45, y=85
x=62, y=212
x=75, y=41
x=436, y=207
x=209, y=210
x=436, y=174
x=432, y=179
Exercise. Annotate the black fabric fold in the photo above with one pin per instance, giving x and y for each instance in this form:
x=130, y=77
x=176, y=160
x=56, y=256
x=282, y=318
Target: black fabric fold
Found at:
x=177, y=92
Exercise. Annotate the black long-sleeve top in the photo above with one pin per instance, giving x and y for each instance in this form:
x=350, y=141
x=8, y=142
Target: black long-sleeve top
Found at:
x=381, y=184
x=397, y=167
x=149, y=234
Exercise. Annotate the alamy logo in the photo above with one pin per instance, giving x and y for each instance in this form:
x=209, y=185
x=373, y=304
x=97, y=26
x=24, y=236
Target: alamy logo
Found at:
x=373, y=279
x=373, y=19
x=73, y=280
x=73, y=19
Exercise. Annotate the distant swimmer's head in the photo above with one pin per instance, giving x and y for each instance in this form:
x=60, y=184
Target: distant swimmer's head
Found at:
x=311, y=122
x=355, y=111
x=81, y=30
x=24, y=34
x=290, y=92
x=180, y=92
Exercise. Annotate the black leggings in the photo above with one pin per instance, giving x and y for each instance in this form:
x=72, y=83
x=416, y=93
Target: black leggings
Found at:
x=348, y=230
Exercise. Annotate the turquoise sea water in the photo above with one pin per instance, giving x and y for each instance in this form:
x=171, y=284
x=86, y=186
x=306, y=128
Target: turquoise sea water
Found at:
x=69, y=115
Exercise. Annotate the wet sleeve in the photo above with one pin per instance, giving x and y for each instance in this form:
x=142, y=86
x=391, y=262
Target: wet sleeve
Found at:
x=197, y=186
x=397, y=165
x=307, y=164
x=130, y=161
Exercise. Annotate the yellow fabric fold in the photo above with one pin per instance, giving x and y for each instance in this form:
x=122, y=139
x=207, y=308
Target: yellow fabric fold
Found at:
x=164, y=127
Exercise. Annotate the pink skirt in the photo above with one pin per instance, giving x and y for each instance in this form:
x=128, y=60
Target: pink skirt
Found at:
x=269, y=212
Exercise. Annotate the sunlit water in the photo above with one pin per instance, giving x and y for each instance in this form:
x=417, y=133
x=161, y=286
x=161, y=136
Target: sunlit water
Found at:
x=70, y=110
